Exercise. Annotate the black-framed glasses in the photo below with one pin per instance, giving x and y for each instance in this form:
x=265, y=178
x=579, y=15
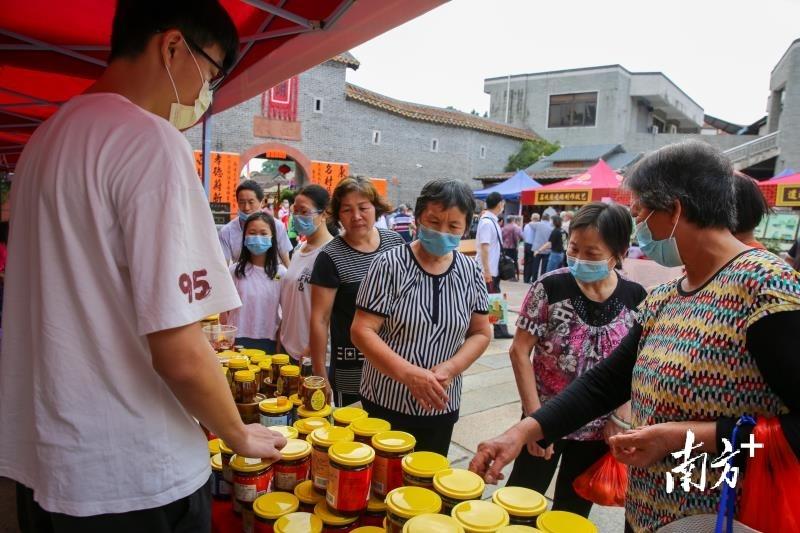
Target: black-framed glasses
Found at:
x=216, y=81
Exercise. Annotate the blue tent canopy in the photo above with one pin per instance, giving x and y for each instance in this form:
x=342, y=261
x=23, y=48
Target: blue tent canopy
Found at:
x=510, y=188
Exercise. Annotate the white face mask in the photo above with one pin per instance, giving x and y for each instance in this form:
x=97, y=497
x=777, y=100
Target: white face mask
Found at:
x=185, y=116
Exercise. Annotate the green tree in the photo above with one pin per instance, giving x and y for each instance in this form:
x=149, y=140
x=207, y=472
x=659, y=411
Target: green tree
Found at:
x=529, y=153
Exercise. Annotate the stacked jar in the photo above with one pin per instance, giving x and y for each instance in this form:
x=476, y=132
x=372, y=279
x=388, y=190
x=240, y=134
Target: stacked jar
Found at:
x=333, y=522
x=267, y=509
x=420, y=467
x=289, y=380
x=308, y=497
x=220, y=489
x=375, y=513
x=301, y=522
x=522, y=505
x=456, y=486
x=294, y=465
x=344, y=416
x=251, y=478
x=326, y=412
x=278, y=361
x=213, y=447
x=366, y=428
x=349, y=478
x=391, y=447
x=246, y=396
x=305, y=426
x=404, y=503
x=315, y=394
x=226, y=454
x=564, y=522
x=266, y=377
x=477, y=516
x=275, y=411
x=426, y=523
x=322, y=439
x=236, y=364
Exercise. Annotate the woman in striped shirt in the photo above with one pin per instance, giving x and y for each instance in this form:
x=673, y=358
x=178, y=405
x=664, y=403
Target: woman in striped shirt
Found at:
x=422, y=320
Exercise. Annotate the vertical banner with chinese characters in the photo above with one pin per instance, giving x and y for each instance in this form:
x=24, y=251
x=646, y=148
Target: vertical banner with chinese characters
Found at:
x=381, y=185
x=328, y=174
x=224, y=169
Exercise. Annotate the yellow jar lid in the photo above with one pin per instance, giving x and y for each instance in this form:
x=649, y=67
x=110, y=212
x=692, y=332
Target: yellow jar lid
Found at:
x=266, y=364
x=253, y=352
x=255, y=369
x=244, y=376
x=327, y=436
x=478, y=516
x=295, y=449
x=330, y=519
x=296, y=400
x=287, y=431
x=213, y=446
x=280, y=359
x=228, y=354
x=375, y=504
x=367, y=427
x=458, y=484
x=210, y=318
x=216, y=462
x=344, y=416
x=325, y=412
x=394, y=441
x=224, y=449
x=275, y=504
x=520, y=501
x=518, y=529
x=368, y=529
x=432, y=523
x=275, y=406
x=239, y=362
x=351, y=453
x=305, y=493
x=424, y=464
x=226, y=371
x=307, y=425
x=407, y=502
x=564, y=522
x=289, y=370
x=298, y=523
x=240, y=463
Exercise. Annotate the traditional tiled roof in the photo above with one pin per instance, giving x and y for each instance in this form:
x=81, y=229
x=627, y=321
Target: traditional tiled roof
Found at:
x=437, y=115
x=348, y=59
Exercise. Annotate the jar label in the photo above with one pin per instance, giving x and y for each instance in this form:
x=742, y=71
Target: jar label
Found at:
x=348, y=490
x=320, y=466
x=247, y=489
x=317, y=400
x=288, y=476
x=388, y=475
x=276, y=420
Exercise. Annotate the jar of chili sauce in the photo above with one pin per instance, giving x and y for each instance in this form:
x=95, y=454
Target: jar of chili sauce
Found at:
x=350, y=477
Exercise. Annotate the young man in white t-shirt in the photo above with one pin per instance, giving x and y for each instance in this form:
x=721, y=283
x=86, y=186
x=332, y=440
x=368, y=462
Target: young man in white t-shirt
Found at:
x=113, y=260
x=489, y=249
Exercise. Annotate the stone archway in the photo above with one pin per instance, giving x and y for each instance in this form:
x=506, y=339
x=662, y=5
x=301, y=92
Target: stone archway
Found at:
x=291, y=152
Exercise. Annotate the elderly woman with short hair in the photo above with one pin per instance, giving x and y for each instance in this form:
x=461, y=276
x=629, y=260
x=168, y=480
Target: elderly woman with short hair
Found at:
x=715, y=344
x=422, y=321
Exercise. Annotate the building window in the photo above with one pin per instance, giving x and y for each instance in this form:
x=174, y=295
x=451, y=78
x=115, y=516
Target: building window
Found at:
x=317, y=105
x=376, y=137
x=658, y=126
x=483, y=152
x=570, y=110
x=434, y=145
x=673, y=128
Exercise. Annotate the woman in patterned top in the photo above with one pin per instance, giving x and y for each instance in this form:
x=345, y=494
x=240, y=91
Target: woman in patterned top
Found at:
x=571, y=319
x=715, y=344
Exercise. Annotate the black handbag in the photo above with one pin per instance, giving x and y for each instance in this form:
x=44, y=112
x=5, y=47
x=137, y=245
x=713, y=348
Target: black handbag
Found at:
x=506, y=267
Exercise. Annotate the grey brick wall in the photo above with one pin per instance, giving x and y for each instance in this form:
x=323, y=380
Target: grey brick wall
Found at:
x=343, y=132
x=786, y=77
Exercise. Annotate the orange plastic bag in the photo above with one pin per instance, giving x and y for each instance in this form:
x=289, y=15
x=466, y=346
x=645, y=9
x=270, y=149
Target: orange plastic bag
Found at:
x=770, y=499
x=605, y=482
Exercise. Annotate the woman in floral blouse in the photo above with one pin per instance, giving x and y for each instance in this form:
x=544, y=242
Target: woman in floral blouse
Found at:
x=573, y=318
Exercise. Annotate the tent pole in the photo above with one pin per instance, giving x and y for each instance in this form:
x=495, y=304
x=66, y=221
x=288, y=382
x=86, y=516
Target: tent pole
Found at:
x=207, y=153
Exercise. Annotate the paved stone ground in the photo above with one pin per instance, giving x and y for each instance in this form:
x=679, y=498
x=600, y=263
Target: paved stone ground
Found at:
x=489, y=405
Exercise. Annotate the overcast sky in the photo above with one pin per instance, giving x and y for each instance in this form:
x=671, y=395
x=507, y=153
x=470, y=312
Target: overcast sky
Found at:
x=719, y=52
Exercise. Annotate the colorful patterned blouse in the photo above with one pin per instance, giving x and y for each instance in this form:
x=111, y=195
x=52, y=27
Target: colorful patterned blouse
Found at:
x=574, y=333
x=693, y=364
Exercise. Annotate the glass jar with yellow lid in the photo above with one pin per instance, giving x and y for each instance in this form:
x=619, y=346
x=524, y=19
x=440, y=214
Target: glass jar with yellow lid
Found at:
x=308, y=496
x=375, y=513
x=349, y=477
x=289, y=380
x=296, y=403
x=238, y=361
x=288, y=432
x=368, y=529
x=220, y=489
x=433, y=523
x=455, y=485
x=305, y=426
x=244, y=386
x=253, y=353
x=252, y=477
x=390, y=449
x=225, y=356
x=477, y=516
x=366, y=428
x=344, y=416
x=522, y=505
x=267, y=509
x=564, y=522
x=294, y=465
x=315, y=393
x=278, y=360
x=301, y=522
x=255, y=369
x=266, y=377
x=516, y=528
x=420, y=467
x=275, y=411
x=326, y=412
x=322, y=439
x=213, y=447
x=332, y=522
x=226, y=454
x=404, y=503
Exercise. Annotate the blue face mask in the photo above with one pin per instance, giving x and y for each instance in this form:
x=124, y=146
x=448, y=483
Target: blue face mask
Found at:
x=304, y=224
x=588, y=271
x=243, y=216
x=664, y=252
x=258, y=244
x=436, y=242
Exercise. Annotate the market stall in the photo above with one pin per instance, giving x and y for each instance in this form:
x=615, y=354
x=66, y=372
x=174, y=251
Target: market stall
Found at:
x=599, y=183
x=779, y=229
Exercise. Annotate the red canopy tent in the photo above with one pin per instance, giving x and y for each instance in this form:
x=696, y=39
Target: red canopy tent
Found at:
x=51, y=51
x=598, y=182
x=782, y=192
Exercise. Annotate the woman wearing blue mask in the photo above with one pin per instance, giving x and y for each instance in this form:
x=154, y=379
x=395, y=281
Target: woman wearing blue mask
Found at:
x=422, y=321
x=257, y=278
x=571, y=319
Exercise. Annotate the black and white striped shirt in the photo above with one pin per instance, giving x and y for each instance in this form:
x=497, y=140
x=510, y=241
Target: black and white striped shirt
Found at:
x=426, y=320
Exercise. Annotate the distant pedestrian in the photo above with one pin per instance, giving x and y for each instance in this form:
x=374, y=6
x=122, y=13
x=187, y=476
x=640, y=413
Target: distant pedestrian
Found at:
x=403, y=223
x=512, y=234
x=528, y=234
x=542, y=231
x=489, y=248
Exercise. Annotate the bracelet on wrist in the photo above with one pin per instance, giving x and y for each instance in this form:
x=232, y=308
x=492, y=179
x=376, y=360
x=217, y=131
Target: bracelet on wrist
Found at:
x=620, y=422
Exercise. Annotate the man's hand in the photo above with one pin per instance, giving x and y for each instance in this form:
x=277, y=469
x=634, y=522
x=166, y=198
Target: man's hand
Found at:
x=258, y=441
